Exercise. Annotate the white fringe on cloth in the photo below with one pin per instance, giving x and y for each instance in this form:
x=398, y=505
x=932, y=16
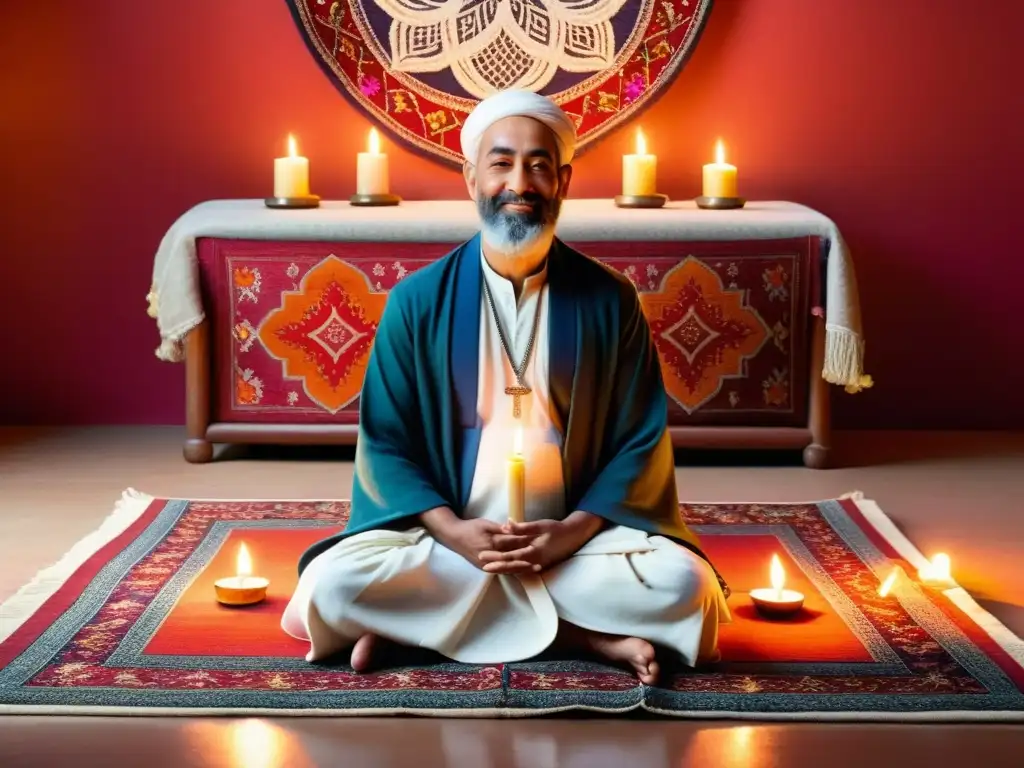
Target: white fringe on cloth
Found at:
x=844, y=359
x=18, y=608
x=175, y=301
x=844, y=337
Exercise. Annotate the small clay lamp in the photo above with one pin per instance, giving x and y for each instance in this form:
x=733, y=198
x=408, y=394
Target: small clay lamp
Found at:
x=242, y=588
x=777, y=602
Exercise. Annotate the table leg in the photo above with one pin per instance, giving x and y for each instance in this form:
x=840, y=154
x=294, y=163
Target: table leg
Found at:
x=816, y=455
x=197, y=449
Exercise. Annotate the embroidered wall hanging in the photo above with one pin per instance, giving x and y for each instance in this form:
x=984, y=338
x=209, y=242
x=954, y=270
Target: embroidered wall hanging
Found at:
x=417, y=67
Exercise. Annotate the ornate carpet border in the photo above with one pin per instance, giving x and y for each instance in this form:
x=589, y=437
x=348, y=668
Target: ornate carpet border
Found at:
x=129, y=519
x=17, y=609
x=1012, y=645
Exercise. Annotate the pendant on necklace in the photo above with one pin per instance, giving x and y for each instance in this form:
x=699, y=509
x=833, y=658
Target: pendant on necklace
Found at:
x=516, y=393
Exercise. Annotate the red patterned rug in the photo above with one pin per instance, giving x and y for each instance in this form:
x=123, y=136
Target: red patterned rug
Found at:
x=127, y=624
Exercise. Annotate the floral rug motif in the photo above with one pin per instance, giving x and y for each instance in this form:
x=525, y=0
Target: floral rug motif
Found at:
x=127, y=624
x=418, y=67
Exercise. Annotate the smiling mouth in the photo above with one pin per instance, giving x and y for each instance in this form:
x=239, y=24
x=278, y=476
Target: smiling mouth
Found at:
x=525, y=207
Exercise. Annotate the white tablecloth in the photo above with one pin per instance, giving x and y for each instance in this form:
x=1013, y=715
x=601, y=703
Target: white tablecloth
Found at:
x=175, y=299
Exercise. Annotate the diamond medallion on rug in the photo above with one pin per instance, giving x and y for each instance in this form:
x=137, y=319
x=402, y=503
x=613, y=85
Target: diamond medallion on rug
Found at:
x=323, y=332
x=127, y=624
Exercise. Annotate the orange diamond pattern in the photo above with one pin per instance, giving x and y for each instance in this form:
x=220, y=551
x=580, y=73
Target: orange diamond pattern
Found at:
x=704, y=332
x=323, y=332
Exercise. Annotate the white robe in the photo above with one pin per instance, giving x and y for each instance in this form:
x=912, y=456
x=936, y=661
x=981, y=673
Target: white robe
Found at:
x=405, y=586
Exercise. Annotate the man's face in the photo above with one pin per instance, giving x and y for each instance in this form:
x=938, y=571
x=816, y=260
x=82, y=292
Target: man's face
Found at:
x=517, y=183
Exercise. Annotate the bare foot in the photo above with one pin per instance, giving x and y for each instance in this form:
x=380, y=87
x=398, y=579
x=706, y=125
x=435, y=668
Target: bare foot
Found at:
x=637, y=653
x=362, y=652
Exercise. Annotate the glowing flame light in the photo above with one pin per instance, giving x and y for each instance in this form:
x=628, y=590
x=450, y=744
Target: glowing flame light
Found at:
x=719, y=152
x=244, y=564
x=641, y=143
x=517, y=442
x=292, y=149
x=778, y=576
x=889, y=581
x=938, y=569
x=374, y=142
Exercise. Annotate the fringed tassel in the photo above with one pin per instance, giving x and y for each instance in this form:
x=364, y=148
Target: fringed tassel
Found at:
x=26, y=601
x=153, y=298
x=844, y=360
x=170, y=351
x=172, y=341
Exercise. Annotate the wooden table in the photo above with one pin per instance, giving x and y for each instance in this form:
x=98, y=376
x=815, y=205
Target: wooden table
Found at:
x=290, y=307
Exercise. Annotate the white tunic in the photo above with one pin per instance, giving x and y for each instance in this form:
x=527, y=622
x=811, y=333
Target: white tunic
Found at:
x=406, y=586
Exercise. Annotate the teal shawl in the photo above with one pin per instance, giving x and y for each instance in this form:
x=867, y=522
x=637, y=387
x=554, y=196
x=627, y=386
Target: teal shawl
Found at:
x=419, y=430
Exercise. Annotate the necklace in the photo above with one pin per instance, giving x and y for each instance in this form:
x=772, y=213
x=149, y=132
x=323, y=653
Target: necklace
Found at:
x=520, y=389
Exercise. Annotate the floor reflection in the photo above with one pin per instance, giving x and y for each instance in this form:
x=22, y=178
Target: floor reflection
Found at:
x=249, y=743
x=738, y=746
x=546, y=744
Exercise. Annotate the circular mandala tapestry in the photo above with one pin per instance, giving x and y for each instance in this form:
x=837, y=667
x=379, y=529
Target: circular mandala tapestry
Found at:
x=419, y=66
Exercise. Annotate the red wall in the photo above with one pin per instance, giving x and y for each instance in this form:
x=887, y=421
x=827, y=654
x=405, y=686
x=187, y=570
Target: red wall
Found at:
x=901, y=120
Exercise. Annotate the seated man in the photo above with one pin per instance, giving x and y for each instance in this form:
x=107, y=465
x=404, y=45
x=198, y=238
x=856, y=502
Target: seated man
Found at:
x=513, y=335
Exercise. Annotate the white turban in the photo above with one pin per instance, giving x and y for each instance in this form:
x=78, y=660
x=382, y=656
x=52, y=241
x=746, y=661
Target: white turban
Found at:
x=518, y=104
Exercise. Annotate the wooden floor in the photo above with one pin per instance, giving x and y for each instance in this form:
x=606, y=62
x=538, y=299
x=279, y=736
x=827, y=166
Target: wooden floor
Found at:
x=961, y=493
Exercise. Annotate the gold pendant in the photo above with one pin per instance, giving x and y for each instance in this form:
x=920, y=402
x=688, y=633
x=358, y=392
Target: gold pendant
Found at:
x=516, y=393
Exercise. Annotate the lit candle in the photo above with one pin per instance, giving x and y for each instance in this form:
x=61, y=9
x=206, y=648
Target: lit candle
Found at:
x=516, y=470
x=889, y=582
x=291, y=173
x=243, y=588
x=936, y=573
x=719, y=176
x=372, y=169
x=640, y=171
x=777, y=601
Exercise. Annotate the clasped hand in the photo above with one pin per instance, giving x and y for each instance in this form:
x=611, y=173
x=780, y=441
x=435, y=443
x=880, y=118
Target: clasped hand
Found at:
x=525, y=547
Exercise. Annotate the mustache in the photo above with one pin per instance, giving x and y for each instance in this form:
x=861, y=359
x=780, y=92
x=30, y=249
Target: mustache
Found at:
x=511, y=198
x=512, y=229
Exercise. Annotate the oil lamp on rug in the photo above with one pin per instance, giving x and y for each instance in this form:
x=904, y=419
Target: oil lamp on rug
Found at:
x=242, y=588
x=776, y=602
x=936, y=572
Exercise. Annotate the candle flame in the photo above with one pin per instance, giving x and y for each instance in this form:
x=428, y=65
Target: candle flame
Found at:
x=778, y=575
x=244, y=564
x=719, y=152
x=889, y=581
x=292, y=149
x=641, y=143
x=374, y=142
x=517, y=441
x=938, y=568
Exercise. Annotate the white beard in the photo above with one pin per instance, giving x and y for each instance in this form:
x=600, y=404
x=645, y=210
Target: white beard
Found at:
x=499, y=239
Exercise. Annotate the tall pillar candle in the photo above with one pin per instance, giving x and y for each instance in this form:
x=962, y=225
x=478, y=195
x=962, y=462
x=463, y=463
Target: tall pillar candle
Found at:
x=516, y=474
x=291, y=173
x=719, y=176
x=372, y=169
x=640, y=171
